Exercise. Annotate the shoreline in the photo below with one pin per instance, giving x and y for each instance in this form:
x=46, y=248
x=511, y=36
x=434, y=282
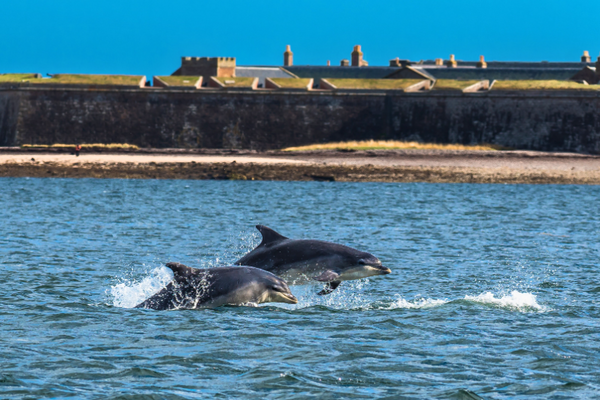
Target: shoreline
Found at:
x=433, y=166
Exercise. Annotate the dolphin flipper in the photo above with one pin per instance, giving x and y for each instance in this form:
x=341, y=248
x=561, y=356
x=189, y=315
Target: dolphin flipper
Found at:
x=269, y=235
x=327, y=276
x=331, y=277
x=329, y=287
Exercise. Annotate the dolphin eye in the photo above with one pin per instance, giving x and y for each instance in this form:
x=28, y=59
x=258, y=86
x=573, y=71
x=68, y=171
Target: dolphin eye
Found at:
x=277, y=288
x=362, y=262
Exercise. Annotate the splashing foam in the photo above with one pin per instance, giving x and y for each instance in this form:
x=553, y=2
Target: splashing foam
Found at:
x=516, y=300
x=418, y=303
x=349, y=296
x=130, y=292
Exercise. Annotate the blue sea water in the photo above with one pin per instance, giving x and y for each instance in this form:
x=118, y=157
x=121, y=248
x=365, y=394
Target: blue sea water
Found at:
x=494, y=289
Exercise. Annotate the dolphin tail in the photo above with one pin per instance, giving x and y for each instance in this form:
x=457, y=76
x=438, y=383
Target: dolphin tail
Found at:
x=329, y=287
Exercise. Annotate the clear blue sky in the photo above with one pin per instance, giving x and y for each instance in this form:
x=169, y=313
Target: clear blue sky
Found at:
x=148, y=37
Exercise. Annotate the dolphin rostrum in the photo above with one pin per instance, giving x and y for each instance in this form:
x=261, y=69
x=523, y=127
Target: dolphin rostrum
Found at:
x=214, y=287
x=300, y=261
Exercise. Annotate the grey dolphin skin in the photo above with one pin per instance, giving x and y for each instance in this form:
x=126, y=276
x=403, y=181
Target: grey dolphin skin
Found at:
x=214, y=287
x=300, y=261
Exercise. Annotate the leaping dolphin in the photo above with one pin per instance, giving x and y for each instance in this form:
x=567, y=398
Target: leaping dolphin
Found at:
x=214, y=287
x=300, y=261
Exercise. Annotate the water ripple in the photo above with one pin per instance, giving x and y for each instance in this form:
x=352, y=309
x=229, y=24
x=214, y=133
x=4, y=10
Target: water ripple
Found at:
x=493, y=291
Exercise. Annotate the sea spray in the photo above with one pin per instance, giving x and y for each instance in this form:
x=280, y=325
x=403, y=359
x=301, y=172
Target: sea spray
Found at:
x=349, y=296
x=417, y=303
x=516, y=301
x=130, y=292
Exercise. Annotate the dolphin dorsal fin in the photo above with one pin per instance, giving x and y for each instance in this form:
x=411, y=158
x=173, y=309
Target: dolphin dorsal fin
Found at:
x=180, y=271
x=269, y=235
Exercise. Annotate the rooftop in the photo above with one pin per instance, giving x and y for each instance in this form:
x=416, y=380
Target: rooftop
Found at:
x=179, y=80
x=373, y=84
x=452, y=84
x=542, y=85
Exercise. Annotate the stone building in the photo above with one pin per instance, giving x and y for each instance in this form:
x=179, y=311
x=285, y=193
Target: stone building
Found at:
x=207, y=67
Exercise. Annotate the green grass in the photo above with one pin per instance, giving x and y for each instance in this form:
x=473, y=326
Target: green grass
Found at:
x=542, y=85
x=394, y=145
x=235, y=82
x=179, y=80
x=388, y=84
x=452, y=84
x=77, y=79
x=16, y=77
x=84, y=146
x=291, y=83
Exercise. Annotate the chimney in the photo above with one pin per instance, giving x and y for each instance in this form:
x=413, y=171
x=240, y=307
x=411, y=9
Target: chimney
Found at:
x=439, y=61
x=344, y=63
x=395, y=62
x=451, y=63
x=481, y=63
x=328, y=63
x=585, y=58
x=288, y=57
x=598, y=67
x=357, y=56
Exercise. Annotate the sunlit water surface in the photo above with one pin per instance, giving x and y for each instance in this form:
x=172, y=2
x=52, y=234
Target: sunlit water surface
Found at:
x=494, y=290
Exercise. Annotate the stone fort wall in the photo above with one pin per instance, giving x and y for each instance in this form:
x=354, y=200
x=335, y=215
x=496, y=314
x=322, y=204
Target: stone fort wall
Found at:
x=551, y=120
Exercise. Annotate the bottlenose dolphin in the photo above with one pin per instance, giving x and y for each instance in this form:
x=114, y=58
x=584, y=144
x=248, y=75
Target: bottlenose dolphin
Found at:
x=214, y=287
x=300, y=261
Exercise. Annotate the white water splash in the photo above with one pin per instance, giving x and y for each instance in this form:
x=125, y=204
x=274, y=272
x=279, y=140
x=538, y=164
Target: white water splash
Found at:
x=130, y=292
x=349, y=296
x=418, y=303
x=516, y=301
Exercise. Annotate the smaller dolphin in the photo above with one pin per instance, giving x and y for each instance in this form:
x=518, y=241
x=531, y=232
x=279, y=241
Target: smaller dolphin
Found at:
x=214, y=287
x=300, y=261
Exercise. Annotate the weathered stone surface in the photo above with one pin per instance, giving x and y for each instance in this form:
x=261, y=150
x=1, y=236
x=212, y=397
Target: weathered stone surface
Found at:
x=550, y=120
x=9, y=113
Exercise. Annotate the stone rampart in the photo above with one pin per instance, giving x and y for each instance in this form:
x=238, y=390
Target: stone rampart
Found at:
x=550, y=120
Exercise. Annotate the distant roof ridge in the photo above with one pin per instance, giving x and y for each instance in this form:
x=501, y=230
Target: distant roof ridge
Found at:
x=259, y=66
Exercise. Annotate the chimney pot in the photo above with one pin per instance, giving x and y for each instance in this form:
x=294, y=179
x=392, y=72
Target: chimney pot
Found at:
x=357, y=57
x=451, y=62
x=586, y=57
x=481, y=63
x=288, y=57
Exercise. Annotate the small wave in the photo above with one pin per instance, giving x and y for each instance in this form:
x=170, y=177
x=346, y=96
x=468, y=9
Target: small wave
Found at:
x=131, y=292
x=418, y=303
x=516, y=301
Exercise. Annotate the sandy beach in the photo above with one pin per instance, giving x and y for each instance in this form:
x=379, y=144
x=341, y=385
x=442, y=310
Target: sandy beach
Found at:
x=356, y=166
